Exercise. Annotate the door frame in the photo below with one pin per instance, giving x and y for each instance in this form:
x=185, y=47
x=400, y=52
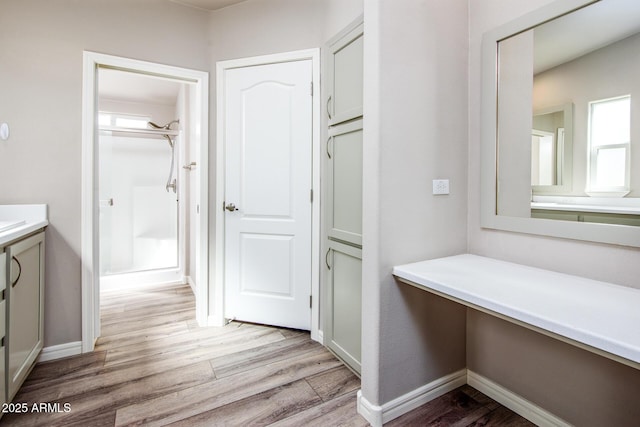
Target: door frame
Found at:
x=217, y=312
x=90, y=260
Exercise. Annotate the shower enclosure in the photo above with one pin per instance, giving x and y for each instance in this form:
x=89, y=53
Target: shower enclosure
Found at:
x=138, y=196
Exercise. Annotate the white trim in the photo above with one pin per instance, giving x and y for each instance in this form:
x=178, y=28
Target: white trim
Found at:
x=89, y=218
x=59, y=351
x=516, y=403
x=217, y=312
x=379, y=415
x=191, y=284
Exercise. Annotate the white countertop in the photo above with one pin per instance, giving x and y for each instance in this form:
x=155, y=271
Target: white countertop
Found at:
x=19, y=220
x=599, y=314
x=611, y=205
x=625, y=210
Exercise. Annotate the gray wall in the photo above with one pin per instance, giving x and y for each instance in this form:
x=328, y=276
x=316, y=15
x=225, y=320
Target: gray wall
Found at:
x=41, y=84
x=415, y=130
x=597, y=261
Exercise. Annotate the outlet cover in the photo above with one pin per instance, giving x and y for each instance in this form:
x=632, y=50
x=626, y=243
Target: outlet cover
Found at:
x=440, y=186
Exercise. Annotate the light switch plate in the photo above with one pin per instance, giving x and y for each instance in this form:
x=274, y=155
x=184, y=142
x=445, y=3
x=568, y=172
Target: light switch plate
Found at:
x=440, y=186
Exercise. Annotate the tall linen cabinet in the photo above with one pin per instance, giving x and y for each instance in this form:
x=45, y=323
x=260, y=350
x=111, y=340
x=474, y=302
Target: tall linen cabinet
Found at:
x=343, y=195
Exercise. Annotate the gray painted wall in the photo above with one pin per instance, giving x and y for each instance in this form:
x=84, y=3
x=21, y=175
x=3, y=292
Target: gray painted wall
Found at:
x=415, y=130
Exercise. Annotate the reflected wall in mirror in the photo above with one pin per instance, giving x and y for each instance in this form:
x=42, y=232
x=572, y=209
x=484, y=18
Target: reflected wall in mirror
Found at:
x=566, y=146
x=577, y=54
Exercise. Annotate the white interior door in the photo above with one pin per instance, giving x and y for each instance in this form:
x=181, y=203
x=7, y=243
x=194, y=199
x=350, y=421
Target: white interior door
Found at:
x=268, y=181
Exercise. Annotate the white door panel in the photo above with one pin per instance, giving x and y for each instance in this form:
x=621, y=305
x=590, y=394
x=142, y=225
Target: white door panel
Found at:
x=268, y=142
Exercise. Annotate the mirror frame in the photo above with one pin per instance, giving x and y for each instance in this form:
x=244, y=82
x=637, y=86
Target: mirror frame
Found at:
x=603, y=233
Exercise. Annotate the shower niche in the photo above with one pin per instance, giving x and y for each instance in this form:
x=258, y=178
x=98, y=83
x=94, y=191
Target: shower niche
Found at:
x=144, y=193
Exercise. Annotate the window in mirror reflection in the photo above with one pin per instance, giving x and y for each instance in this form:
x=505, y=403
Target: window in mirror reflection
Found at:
x=609, y=140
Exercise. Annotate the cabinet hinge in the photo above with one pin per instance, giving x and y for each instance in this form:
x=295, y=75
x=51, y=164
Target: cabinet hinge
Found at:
x=311, y=88
x=310, y=301
x=311, y=195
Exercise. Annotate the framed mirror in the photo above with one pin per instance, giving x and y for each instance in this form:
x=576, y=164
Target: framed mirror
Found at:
x=561, y=122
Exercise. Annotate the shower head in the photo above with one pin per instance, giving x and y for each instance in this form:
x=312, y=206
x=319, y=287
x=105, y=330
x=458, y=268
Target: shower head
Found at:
x=165, y=127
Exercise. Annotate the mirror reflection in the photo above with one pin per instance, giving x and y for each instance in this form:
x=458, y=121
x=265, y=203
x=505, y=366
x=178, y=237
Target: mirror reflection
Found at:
x=568, y=122
x=552, y=150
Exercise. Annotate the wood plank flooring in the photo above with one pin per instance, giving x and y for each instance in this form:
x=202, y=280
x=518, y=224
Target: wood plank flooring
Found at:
x=154, y=366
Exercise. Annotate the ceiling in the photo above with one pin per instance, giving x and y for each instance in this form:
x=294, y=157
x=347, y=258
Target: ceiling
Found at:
x=133, y=87
x=208, y=4
x=583, y=31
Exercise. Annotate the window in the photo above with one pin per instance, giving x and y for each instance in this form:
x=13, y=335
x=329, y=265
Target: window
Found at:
x=609, y=142
x=123, y=120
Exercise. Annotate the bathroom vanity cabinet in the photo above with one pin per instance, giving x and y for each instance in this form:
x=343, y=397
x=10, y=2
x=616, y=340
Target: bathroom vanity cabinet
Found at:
x=21, y=309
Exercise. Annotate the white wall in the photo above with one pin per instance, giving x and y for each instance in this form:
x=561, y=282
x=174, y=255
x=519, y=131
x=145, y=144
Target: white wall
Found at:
x=41, y=84
x=415, y=130
x=591, y=389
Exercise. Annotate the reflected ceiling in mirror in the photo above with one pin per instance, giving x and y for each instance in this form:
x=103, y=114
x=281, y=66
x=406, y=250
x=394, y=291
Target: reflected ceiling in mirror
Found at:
x=569, y=66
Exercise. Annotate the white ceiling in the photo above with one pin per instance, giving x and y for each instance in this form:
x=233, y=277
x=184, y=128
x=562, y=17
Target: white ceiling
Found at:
x=133, y=87
x=208, y=4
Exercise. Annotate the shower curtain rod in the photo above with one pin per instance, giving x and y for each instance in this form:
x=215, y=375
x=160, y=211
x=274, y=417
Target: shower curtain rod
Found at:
x=158, y=132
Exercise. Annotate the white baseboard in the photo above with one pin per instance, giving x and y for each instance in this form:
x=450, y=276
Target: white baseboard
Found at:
x=216, y=321
x=517, y=404
x=59, y=351
x=191, y=283
x=378, y=415
x=318, y=336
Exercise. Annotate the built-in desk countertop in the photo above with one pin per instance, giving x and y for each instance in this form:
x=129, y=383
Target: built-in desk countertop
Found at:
x=597, y=316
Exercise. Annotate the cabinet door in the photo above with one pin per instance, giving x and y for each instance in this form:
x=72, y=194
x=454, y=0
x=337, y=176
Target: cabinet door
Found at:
x=344, y=184
x=25, y=298
x=345, y=70
x=343, y=323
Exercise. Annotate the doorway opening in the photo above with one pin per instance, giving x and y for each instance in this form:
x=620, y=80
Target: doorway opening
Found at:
x=145, y=182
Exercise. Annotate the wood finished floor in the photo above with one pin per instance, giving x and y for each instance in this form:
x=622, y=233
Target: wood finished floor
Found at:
x=154, y=366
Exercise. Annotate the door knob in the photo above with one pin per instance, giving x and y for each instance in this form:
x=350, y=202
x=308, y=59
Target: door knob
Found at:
x=231, y=207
